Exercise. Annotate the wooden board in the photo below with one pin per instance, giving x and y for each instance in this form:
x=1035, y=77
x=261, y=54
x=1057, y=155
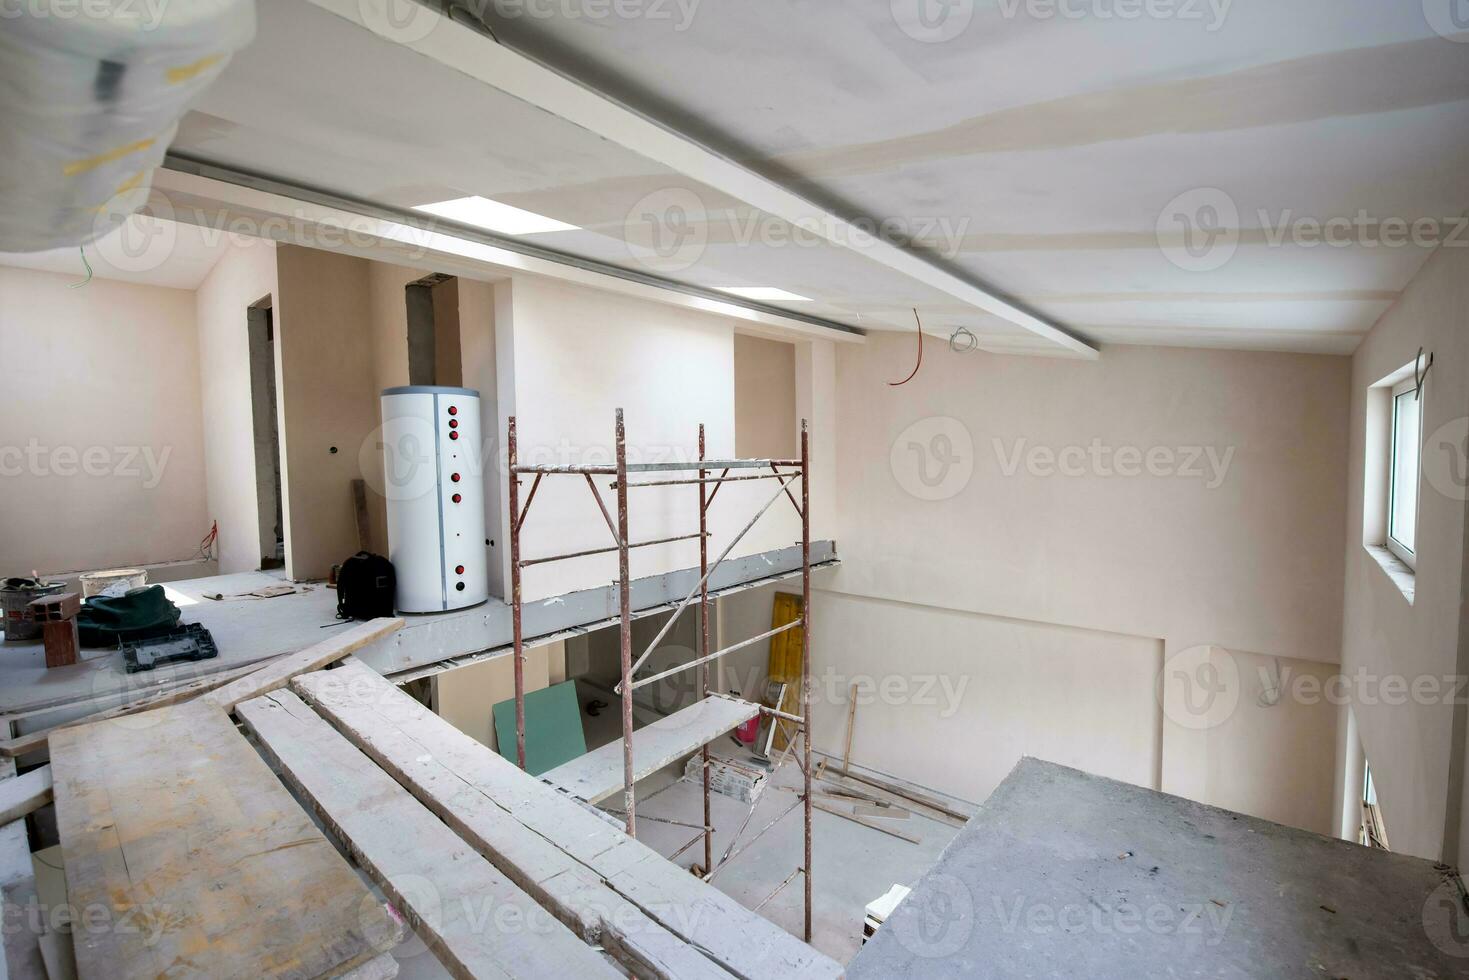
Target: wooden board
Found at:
x=35, y=741
x=599, y=774
x=458, y=778
x=20, y=949
x=477, y=922
x=194, y=860
x=575, y=893
x=278, y=673
x=19, y=795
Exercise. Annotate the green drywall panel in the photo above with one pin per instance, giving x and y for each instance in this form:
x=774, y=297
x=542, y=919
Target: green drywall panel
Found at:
x=553, y=732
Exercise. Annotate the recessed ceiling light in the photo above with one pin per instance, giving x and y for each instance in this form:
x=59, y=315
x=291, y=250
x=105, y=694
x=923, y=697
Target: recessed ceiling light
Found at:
x=494, y=216
x=768, y=293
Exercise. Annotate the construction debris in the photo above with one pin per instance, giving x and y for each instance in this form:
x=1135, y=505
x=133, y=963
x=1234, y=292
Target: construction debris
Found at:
x=729, y=778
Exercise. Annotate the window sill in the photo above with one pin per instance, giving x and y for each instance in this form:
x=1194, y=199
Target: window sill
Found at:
x=1396, y=570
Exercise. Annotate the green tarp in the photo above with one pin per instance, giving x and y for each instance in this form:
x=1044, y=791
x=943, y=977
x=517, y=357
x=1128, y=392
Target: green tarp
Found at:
x=138, y=615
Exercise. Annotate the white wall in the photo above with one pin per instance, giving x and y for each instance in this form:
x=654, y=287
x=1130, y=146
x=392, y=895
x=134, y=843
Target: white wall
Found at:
x=1417, y=759
x=101, y=443
x=568, y=358
x=329, y=401
x=765, y=398
x=1068, y=576
x=479, y=369
x=244, y=274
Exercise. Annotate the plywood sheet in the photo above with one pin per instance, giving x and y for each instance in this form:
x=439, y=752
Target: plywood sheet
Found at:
x=194, y=860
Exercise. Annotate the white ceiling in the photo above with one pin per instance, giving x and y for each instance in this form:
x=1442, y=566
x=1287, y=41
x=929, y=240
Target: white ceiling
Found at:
x=1051, y=150
x=142, y=250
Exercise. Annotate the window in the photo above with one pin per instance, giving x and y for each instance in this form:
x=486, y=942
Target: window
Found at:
x=1372, y=833
x=1402, y=499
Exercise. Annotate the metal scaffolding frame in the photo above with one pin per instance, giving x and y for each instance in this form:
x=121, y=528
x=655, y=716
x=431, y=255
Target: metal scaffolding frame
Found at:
x=784, y=472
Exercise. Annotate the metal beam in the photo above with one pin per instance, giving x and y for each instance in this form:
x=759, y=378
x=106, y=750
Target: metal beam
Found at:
x=476, y=54
x=211, y=194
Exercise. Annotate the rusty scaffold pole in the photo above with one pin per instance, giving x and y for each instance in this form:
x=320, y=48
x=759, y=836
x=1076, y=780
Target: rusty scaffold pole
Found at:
x=512, y=458
x=704, y=642
x=806, y=650
x=624, y=598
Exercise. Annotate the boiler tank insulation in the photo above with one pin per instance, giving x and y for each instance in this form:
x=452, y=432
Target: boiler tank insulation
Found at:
x=435, y=488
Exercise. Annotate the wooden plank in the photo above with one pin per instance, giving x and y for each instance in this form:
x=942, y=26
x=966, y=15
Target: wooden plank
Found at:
x=835, y=777
x=457, y=777
x=851, y=725
x=20, y=954
x=359, y=510
x=599, y=774
x=20, y=795
x=856, y=818
x=381, y=967
x=35, y=741
x=574, y=893
x=278, y=673
x=475, y=920
x=194, y=860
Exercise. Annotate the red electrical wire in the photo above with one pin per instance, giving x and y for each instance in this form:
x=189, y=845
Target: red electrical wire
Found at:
x=894, y=384
x=206, y=545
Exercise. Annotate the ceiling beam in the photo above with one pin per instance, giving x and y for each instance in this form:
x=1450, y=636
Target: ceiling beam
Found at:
x=221, y=200
x=476, y=55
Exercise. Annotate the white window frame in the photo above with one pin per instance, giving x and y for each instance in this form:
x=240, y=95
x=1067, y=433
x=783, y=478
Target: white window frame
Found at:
x=1404, y=554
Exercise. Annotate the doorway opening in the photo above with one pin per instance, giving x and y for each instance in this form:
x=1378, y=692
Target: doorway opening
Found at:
x=266, y=422
x=433, y=331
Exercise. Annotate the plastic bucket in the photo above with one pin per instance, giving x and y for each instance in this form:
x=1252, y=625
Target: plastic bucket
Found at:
x=17, y=618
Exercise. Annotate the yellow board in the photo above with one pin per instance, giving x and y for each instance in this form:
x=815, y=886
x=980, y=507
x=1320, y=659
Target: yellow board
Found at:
x=785, y=648
x=785, y=659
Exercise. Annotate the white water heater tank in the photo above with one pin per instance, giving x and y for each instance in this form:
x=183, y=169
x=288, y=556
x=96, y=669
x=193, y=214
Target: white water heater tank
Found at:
x=435, y=489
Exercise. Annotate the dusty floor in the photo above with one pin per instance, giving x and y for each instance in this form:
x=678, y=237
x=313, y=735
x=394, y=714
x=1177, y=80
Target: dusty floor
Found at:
x=853, y=864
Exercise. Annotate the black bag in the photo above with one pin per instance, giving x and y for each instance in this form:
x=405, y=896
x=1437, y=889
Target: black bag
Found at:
x=366, y=586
